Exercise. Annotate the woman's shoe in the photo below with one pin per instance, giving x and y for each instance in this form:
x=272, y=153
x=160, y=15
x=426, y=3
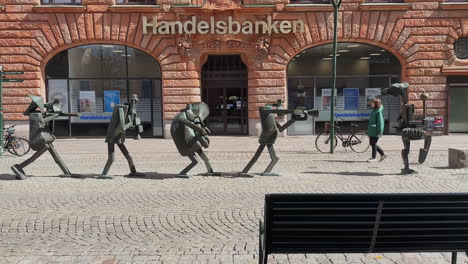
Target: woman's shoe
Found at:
x=372, y=160
x=382, y=158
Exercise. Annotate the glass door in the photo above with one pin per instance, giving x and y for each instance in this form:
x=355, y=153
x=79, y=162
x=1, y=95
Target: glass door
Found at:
x=458, y=109
x=224, y=89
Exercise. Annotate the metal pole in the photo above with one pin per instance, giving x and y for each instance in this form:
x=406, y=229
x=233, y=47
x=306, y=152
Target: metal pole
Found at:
x=1, y=110
x=336, y=6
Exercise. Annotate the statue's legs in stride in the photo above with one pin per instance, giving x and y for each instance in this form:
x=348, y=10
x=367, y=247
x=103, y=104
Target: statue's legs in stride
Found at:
x=110, y=160
x=424, y=151
x=267, y=172
x=193, y=159
x=18, y=168
x=405, y=156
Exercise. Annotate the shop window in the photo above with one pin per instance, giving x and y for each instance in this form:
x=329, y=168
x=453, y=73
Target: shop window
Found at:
x=461, y=48
x=91, y=79
x=61, y=2
x=136, y=2
x=362, y=71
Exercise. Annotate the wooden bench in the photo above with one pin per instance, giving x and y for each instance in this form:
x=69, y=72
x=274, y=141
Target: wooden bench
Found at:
x=364, y=223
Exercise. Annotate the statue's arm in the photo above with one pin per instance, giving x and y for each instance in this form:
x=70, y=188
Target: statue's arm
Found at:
x=50, y=117
x=281, y=128
x=123, y=124
x=194, y=126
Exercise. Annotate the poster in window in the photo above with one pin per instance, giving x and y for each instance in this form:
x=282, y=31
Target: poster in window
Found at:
x=111, y=99
x=87, y=102
x=372, y=93
x=351, y=98
x=326, y=99
x=57, y=89
x=439, y=123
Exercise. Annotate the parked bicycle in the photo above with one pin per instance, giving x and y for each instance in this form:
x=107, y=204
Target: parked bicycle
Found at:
x=358, y=141
x=15, y=145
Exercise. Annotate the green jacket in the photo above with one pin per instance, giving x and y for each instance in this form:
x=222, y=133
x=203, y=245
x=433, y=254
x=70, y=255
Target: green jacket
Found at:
x=376, y=123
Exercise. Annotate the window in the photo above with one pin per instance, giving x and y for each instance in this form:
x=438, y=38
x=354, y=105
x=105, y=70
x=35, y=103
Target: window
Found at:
x=461, y=48
x=91, y=79
x=61, y=2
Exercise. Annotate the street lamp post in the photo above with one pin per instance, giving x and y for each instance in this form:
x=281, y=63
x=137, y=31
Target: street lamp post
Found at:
x=336, y=6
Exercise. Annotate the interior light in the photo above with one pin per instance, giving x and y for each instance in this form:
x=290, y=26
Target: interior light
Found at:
x=382, y=50
x=297, y=56
x=326, y=58
x=107, y=46
x=118, y=51
x=353, y=46
x=304, y=51
x=365, y=58
x=343, y=50
x=331, y=55
x=375, y=54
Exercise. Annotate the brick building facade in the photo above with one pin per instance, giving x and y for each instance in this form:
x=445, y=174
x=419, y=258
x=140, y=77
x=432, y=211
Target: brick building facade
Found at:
x=420, y=34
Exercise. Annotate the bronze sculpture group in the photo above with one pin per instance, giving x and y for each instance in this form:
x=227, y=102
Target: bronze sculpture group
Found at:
x=190, y=133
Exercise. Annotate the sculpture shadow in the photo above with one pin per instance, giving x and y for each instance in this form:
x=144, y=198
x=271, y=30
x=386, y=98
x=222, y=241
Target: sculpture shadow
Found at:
x=344, y=161
x=348, y=173
x=7, y=177
x=163, y=176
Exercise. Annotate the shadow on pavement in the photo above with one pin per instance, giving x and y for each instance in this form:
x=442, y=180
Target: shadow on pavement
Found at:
x=347, y=173
x=7, y=177
x=344, y=161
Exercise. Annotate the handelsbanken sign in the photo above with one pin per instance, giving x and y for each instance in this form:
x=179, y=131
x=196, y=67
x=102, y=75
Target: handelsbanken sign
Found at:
x=193, y=26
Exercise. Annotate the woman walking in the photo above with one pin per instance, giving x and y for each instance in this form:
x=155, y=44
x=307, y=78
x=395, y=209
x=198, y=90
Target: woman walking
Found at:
x=375, y=129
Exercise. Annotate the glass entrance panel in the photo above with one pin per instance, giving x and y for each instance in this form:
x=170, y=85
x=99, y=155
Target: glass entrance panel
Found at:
x=458, y=109
x=224, y=89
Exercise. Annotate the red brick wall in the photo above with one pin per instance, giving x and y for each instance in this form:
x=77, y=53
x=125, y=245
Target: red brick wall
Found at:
x=420, y=34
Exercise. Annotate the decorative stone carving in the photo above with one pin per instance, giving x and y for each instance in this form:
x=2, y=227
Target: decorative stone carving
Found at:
x=234, y=44
x=263, y=47
x=185, y=46
x=223, y=4
x=212, y=44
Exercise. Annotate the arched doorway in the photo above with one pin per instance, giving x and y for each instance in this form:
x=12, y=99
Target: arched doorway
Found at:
x=224, y=89
x=91, y=79
x=362, y=71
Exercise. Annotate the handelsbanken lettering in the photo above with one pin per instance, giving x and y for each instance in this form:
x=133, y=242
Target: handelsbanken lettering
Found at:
x=192, y=26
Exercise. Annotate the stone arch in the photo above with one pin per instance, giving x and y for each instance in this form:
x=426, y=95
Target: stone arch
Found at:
x=58, y=32
x=395, y=53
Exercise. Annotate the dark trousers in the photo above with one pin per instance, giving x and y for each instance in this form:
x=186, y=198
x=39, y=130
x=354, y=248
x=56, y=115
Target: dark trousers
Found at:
x=375, y=147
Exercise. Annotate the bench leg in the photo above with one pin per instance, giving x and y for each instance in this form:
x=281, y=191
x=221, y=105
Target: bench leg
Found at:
x=262, y=256
x=454, y=257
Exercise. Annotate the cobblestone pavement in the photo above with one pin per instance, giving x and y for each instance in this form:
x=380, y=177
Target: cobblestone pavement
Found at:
x=163, y=219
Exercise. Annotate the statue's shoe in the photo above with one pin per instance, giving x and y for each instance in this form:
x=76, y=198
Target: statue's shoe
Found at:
x=269, y=174
x=408, y=171
x=105, y=177
x=20, y=175
x=210, y=174
x=136, y=174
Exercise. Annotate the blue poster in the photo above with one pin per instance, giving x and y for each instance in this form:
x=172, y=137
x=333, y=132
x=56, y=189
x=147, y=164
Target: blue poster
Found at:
x=351, y=98
x=111, y=98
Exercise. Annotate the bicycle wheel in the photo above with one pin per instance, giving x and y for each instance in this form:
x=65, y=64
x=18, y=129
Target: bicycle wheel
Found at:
x=360, y=142
x=18, y=146
x=322, y=142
